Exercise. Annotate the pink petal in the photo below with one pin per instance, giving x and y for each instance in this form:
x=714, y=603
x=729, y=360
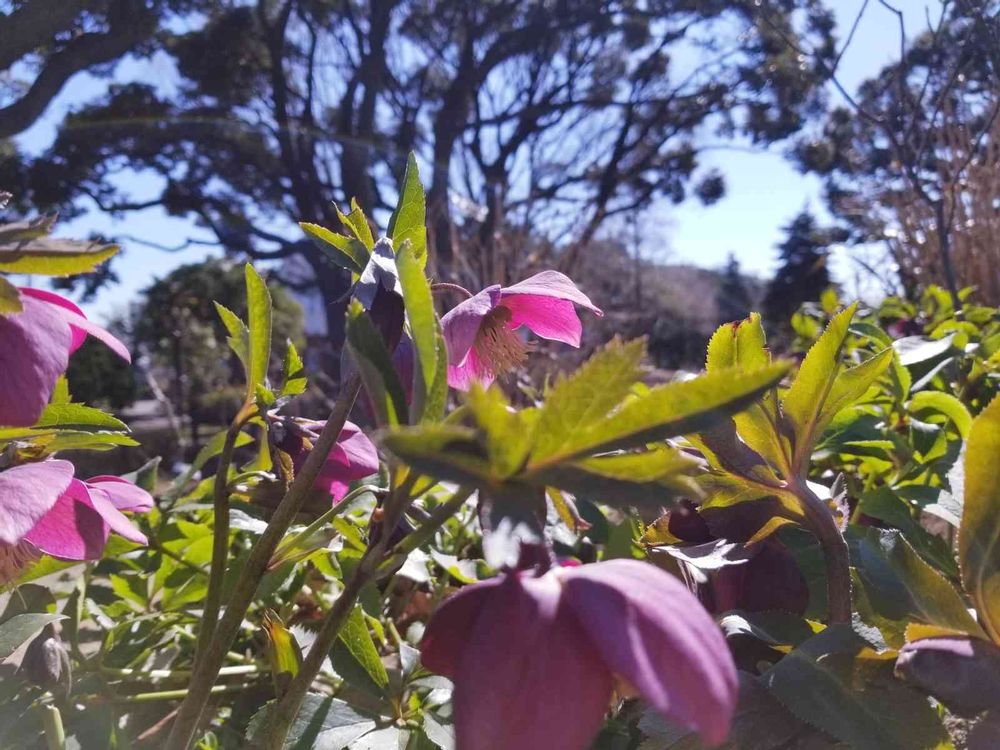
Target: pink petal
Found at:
x=461, y=377
x=548, y=317
x=114, y=518
x=72, y=529
x=653, y=633
x=34, y=352
x=446, y=633
x=72, y=315
x=27, y=493
x=122, y=493
x=461, y=323
x=552, y=284
x=526, y=676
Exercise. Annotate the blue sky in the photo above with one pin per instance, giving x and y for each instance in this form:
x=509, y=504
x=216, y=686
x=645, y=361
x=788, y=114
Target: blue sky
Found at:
x=764, y=191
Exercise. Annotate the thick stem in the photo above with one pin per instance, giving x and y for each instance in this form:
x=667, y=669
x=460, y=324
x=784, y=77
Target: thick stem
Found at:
x=284, y=712
x=835, y=554
x=207, y=669
x=55, y=735
x=220, y=538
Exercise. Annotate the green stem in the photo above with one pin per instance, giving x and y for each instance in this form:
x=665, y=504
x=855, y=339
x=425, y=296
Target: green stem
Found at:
x=220, y=538
x=287, y=708
x=55, y=735
x=425, y=531
x=167, y=674
x=172, y=695
x=206, y=669
x=835, y=553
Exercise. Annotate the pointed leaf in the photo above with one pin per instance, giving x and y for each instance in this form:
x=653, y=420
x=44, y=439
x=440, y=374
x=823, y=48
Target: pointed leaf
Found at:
x=425, y=329
x=259, y=326
x=375, y=365
x=346, y=252
x=293, y=372
x=408, y=222
x=239, y=336
x=357, y=224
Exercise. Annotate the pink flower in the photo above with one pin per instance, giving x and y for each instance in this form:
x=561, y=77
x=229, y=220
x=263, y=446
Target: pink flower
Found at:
x=481, y=331
x=535, y=659
x=353, y=456
x=43, y=508
x=35, y=345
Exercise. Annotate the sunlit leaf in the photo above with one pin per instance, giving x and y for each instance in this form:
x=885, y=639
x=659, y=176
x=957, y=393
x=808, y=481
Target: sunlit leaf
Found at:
x=408, y=220
x=259, y=326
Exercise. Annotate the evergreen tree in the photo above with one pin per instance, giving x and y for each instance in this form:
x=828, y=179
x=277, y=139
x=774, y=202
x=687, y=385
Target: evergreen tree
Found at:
x=803, y=274
x=733, y=298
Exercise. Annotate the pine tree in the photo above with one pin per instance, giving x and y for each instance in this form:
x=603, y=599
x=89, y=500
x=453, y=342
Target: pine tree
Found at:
x=803, y=274
x=733, y=298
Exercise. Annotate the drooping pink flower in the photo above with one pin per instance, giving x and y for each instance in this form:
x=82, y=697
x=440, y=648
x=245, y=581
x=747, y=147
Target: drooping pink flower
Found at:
x=43, y=508
x=353, y=456
x=535, y=659
x=35, y=345
x=481, y=332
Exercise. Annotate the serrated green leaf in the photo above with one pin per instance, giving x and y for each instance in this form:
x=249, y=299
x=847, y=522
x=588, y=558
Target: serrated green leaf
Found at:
x=356, y=640
x=425, y=329
x=375, y=365
x=834, y=682
x=902, y=586
x=259, y=327
x=946, y=404
x=322, y=722
x=885, y=505
x=587, y=395
x=49, y=256
x=79, y=416
x=440, y=450
x=408, y=222
x=357, y=224
x=669, y=410
x=239, y=336
x=506, y=433
x=283, y=652
x=10, y=298
x=81, y=440
x=347, y=252
x=293, y=376
x=979, y=533
x=20, y=629
x=146, y=476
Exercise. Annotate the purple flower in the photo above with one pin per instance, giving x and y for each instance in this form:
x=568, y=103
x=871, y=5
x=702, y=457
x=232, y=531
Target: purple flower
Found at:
x=961, y=671
x=353, y=456
x=481, y=332
x=535, y=660
x=43, y=508
x=35, y=345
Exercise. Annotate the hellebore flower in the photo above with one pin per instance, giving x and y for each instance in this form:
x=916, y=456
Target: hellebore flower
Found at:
x=961, y=671
x=35, y=345
x=43, y=508
x=353, y=456
x=535, y=660
x=481, y=332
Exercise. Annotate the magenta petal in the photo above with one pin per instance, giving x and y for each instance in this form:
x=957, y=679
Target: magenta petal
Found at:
x=461, y=377
x=72, y=529
x=114, y=518
x=461, y=323
x=552, y=284
x=34, y=352
x=547, y=317
x=449, y=628
x=652, y=632
x=124, y=494
x=27, y=493
x=527, y=676
x=79, y=324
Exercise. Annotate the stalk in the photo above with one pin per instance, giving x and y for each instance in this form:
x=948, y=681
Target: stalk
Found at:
x=207, y=668
x=55, y=735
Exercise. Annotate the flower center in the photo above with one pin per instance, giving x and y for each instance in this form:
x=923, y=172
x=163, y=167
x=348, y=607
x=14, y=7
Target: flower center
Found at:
x=14, y=559
x=499, y=349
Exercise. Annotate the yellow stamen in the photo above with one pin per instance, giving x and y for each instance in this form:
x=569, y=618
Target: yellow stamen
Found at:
x=498, y=348
x=14, y=559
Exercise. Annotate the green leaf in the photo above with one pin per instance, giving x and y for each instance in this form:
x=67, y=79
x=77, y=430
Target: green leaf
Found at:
x=283, y=652
x=669, y=410
x=25, y=248
x=259, y=325
x=587, y=395
x=946, y=404
x=835, y=683
x=887, y=506
x=425, y=329
x=441, y=450
x=322, y=722
x=79, y=416
x=902, y=586
x=409, y=219
x=348, y=253
x=146, y=476
x=239, y=336
x=506, y=433
x=82, y=440
x=10, y=298
x=375, y=365
x=20, y=629
x=979, y=534
x=293, y=376
x=357, y=224
x=362, y=660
